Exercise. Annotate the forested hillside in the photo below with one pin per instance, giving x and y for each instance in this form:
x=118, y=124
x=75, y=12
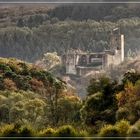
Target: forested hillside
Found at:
x=31, y=95
x=30, y=44
x=35, y=103
x=97, y=11
x=29, y=33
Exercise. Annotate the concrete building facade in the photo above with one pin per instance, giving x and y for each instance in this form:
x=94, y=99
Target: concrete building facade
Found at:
x=80, y=63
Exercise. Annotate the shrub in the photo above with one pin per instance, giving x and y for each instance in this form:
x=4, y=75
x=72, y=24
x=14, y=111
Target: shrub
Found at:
x=134, y=131
x=36, y=85
x=108, y=115
x=24, y=68
x=10, y=74
x=9, y=84
x=122, y=113
x=137, y=109
x=49, y=132
x=131, y=76
x=83, y=133
x=37, y=74
x=109, y=131
x=132, y=118
x=5, y=68
x=27, y=131
x=14, y=66
x=123, y=126
x=4, y=113
x=137, y=105
x=66, y=131
x=1, y=83
x=15, y=114
x=8, y=130
x=98, y=125
x=22, y=82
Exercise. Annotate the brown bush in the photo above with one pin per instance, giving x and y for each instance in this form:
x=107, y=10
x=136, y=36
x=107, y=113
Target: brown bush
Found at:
x=9, y=84
x=37, y=85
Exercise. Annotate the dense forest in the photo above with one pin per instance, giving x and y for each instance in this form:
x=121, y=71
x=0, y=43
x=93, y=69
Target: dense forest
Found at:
x=102, y=11
x=35, y=102
x=29, y=34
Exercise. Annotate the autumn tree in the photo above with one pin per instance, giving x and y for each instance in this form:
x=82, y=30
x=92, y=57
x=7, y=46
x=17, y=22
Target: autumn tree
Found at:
x=49, y=61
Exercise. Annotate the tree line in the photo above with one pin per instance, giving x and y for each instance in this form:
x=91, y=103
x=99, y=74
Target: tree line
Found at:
x=31, y=43
x=96, y=11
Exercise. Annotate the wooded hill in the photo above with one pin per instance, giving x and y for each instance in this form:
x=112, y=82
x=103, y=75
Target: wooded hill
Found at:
x=31, y=43
x=34, y=103
x=29, y=32
x=30, y=94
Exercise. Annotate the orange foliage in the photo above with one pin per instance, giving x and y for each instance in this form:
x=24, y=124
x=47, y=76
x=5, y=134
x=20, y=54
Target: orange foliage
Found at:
x=37, y=85
x=9, y=84
x=129, y=95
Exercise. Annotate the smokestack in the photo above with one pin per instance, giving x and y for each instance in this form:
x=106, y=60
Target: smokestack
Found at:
x=122, y=48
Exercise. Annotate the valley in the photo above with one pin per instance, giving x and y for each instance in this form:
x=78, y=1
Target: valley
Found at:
x=70, y=70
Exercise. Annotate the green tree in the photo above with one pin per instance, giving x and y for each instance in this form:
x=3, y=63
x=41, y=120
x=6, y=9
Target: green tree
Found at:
x=69, y=109
x=20, y=23
x=4, y=113
x=101, y=103
x=131, y=76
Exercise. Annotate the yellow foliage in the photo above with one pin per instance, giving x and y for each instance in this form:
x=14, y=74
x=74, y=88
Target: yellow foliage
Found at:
x=108, y=131
x=129, y=95
x=2, y=99
x=4, y=130
x=123, y=126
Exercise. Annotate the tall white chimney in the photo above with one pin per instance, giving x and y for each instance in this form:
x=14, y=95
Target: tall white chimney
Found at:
x=122, y=48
